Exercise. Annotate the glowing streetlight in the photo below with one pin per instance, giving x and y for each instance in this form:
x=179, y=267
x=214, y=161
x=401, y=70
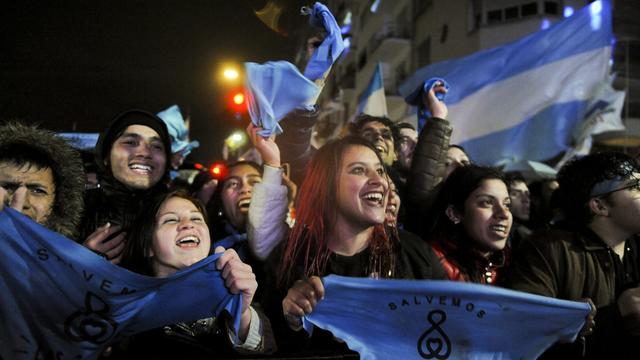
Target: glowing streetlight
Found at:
x=230, y=74
x=236, y=140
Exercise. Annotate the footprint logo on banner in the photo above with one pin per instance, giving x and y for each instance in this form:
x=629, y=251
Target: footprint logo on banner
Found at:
x=92, y=324
x=434, y=343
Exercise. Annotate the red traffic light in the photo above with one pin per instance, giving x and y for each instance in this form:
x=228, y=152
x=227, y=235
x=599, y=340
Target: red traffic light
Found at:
x=218, y=170
x=238, y=98
x=237, y=101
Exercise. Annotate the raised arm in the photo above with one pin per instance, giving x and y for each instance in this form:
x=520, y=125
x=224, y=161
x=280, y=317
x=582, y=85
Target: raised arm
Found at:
x=268, y=211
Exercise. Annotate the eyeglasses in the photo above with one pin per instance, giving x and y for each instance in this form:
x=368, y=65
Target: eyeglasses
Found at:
x=634, y=186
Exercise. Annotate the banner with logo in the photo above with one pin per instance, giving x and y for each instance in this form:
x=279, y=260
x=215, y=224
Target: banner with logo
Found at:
x=429, y=319
x=59, y=300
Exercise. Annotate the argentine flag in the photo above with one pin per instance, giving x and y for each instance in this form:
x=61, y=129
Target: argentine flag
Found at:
x=522, y=101
x=372, y=101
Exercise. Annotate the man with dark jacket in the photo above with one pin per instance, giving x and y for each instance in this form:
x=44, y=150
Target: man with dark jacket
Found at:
x=131, y=157
x=41, y=176
x=595, y=256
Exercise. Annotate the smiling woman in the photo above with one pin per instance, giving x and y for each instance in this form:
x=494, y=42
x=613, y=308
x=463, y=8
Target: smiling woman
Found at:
x=472, y=224
x=340, y=230
x=169, y=235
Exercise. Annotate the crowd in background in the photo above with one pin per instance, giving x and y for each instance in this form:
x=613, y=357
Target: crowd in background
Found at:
x=385, y=201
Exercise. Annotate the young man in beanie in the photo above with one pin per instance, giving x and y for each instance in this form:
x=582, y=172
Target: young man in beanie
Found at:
x=131, y=157
x=594, y=257
x=41, y=176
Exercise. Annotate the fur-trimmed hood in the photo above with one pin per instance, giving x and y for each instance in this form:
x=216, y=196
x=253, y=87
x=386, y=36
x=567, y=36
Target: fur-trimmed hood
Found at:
x=66, y=166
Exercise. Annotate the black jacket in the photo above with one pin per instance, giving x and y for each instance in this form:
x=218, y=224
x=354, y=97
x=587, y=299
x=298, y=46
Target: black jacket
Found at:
x=112, y=201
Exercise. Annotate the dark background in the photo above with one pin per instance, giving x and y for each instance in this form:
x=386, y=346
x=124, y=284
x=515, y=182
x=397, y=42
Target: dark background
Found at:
x=73, y=65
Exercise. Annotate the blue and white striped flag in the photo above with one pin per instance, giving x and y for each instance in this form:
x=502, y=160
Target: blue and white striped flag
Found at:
x=524, y=99
x=372, y=101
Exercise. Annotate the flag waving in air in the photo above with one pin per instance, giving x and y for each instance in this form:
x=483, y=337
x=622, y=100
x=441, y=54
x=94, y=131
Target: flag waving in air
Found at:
x=373, y=101
x=524, y=99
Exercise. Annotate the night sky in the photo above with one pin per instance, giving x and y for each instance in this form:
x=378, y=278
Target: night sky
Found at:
x=74, y=65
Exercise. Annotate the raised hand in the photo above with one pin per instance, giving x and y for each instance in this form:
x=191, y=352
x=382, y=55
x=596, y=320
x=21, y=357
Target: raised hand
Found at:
x=436, y=107
x=267, y=147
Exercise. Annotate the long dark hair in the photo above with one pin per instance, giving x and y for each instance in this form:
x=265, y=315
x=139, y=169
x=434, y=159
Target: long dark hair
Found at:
x=218, y=219
x=140, y=236
x=455, y=191
x=316, y=214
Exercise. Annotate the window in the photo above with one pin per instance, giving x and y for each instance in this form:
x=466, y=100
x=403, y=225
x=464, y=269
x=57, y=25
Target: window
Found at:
x=511, y=13
x=529, y=9
x=363, y=59
x=444, y=33
x=551, y=8
x=424, y=53
x=494, y=16
x=420, y=6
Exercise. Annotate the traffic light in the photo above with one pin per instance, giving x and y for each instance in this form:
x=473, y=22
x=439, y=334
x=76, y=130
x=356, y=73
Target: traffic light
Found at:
x=237, y=101
x=218, y=170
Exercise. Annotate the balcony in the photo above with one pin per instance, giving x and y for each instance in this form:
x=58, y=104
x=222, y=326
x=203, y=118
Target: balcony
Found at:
x=390, y=42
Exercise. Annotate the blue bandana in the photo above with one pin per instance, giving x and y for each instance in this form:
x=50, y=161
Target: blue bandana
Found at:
x=415, y=99
x=273, y=90
x=332, y=45
x=60, y=300
x=411, y=319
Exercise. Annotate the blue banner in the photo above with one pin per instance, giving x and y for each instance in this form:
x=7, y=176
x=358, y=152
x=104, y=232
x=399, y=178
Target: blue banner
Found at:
x=59, y=300
x=411, y=319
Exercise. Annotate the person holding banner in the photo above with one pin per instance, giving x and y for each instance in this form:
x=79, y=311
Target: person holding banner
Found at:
x=340, y=230
x=595, y=256
x=472, y=224
x=169, y=235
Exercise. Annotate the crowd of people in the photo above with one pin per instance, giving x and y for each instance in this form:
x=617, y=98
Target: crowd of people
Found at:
x=382, y=201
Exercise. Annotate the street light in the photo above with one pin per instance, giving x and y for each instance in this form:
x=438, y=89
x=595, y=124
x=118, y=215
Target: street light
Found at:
x=230, y=74
x=236, y=140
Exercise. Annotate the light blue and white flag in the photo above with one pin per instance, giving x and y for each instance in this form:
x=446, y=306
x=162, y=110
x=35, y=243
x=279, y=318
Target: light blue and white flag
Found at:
x=523, y=100
x=277, y=87
x=330, y=48
x=274, y=89
x=372, y=101
x=178, y=131
x=413, y=319
x=59, y=300
x=603, y=115
x=80, y=141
